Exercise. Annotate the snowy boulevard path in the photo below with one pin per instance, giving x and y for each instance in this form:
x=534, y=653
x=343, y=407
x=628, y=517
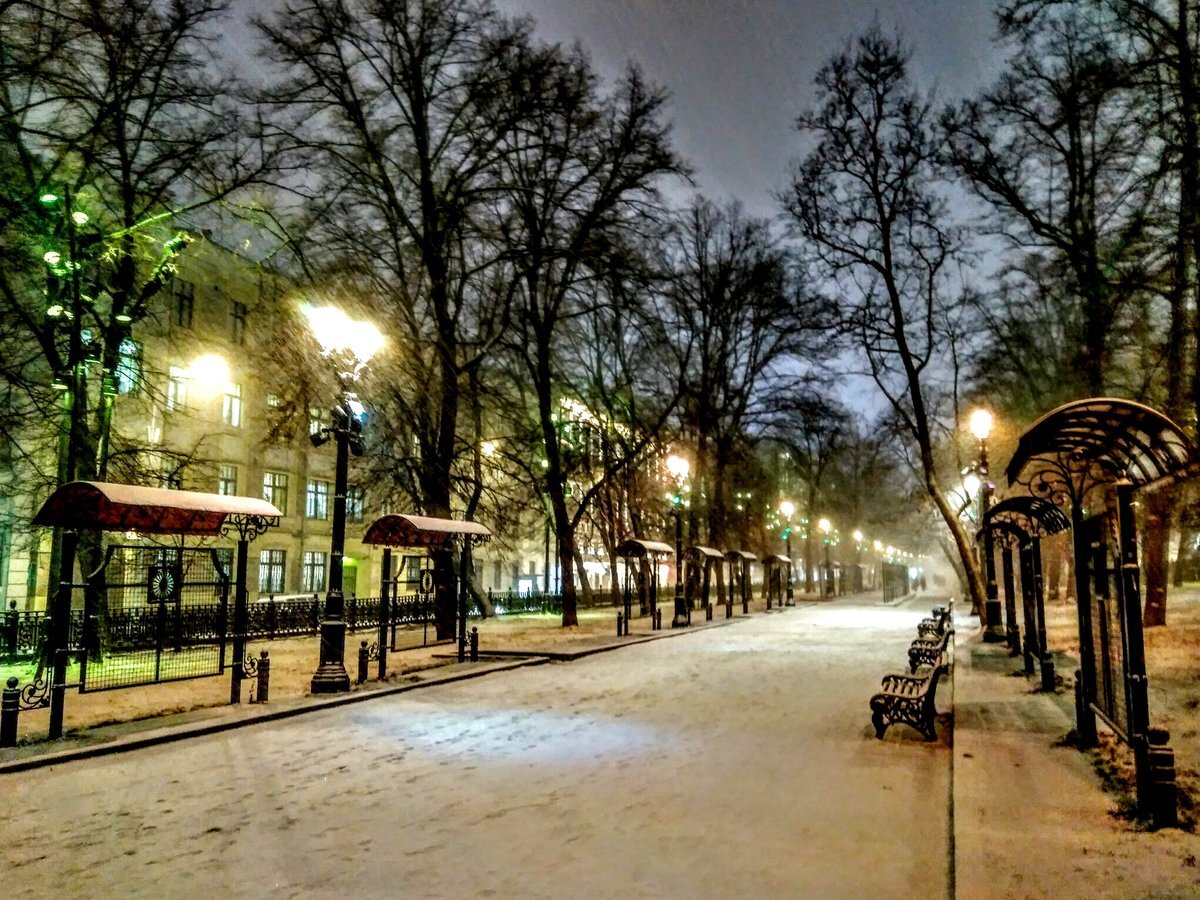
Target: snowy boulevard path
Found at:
x=731, y=762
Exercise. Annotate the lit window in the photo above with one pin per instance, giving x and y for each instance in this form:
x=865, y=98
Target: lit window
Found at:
x=317, y=500
x=177, y=388
x=129, y=366
x=227, y=480
x=275, y=490
x=272, y=401
x=231, y=405
x=316, y=419
x=355, y=501
x=271, y=564
x=314, y=571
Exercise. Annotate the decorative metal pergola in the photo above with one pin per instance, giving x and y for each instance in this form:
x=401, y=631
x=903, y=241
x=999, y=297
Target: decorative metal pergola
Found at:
x=776, y=574
x=424, y=533
x=739, y=575
x=1092, y=456
x=1022, y=522
x=642, y=555
x=104, y=506
x=701, y=563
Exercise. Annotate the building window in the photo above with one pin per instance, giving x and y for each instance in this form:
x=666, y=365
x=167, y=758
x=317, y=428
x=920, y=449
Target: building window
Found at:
x=314, y=571
x=177, y=388
x=169, y=475
x=225, y=562
x=185, y=301
x=227, y=480
x=272, y=401
x=129, y=366
x=356, y=499
x=316, y=420
x=231, y=405
x=270, y=571
x=316, y=505
x=237, y=322
x=275, y=490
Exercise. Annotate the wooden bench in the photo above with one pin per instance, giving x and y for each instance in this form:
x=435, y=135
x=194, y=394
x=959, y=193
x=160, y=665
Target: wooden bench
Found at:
x=928, y=651
x=908, y=699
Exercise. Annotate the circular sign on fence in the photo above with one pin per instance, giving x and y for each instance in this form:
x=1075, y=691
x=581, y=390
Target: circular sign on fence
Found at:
x=426, y=581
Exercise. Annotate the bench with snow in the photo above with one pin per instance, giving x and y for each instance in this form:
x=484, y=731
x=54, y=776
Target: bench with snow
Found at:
x=936, y=625
x=908, y=699
x=928, y=651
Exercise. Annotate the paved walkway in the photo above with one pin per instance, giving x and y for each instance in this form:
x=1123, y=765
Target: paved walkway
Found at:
x=735, y=761
x=731, y=761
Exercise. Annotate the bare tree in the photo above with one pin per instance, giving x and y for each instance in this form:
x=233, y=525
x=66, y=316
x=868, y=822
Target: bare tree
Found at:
x=871, y=224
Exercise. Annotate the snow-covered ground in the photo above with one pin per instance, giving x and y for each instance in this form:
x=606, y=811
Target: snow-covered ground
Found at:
x=734, y=761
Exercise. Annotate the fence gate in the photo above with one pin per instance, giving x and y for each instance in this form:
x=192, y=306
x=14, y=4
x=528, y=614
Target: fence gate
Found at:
x=173, y=604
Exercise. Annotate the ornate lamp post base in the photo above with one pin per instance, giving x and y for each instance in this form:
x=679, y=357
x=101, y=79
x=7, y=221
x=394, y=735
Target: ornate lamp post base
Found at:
x=331, y=676
x=993, y=632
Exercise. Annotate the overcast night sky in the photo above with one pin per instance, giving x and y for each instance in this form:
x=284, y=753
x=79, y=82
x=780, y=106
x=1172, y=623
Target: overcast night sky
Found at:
x=739, y=71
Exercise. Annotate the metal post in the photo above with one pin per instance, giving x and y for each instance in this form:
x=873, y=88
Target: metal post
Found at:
x=60, y=632
x=828, y=579
x=364, y=661
x=331, y=675
x=1046, y=660
x=462, y=600
x=1085, y=675
x=993, y=631
x=788, y=543
x=1012, y=634
x=239, y=620
x=474, y=644
x=681, y=610
x=1029, y=649
x=10, y=709
x=387, y=586
x=264, y=677
x=1138, y=704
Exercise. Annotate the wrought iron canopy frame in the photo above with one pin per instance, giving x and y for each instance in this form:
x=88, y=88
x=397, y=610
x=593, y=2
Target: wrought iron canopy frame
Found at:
x=1036, y=516
x=428, y=532
x=1007, y=532
x=635, y=548
x=1091, y=443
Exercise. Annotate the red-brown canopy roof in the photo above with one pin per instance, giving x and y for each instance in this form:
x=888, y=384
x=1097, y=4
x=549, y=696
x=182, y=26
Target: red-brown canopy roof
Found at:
x=697, y=552
x=398, y=530
x=777, y=560
x=104, y=506
x=734, y=555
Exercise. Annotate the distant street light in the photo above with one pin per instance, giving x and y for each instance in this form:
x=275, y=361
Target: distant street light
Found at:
x=678, y=468
x=350, y=344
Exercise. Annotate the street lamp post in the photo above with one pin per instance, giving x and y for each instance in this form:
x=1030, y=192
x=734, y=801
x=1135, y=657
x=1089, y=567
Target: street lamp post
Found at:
x=786, y=509
x=678, y=468
x=355, y=343
x=857, y=582
x=826, y=527
x=981, y=426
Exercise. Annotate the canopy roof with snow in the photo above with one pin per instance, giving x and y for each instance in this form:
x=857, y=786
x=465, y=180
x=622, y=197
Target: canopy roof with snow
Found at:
x=398, y=530
x=636, y=548
x=697, y=553
x=104, y=506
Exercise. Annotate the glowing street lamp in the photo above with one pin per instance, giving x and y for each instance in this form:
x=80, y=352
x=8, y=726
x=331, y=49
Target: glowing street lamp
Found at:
x=350, y=344
x=787, y=509
x=980, y=425
x=678, y=468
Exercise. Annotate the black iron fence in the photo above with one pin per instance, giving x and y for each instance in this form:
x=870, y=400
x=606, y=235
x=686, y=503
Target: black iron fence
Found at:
x=22, y=633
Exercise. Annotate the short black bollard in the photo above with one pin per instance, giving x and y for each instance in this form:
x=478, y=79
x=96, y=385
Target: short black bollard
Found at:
x=1048, y=684
x=364, y=657
x=264, y=677
x=1160, y=760
x=708, y=612
x=729, y=609
x=474, y=645
x=620, y=624
x=658, y=620
x=10, y=708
